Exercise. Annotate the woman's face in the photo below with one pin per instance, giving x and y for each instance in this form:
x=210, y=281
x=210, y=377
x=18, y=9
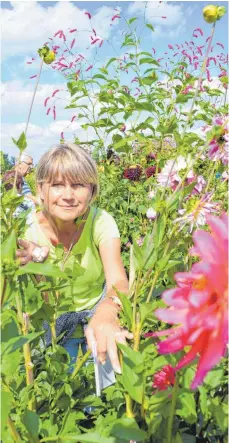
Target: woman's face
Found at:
x=65, y=200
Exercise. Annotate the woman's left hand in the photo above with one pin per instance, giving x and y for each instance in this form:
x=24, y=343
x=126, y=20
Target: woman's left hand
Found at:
x=104, y=329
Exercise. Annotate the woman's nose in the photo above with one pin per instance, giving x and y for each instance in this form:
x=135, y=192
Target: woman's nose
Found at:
x=68, y=192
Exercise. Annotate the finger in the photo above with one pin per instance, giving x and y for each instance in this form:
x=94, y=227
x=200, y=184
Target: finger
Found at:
x=21, y=253
x=113, y=354
x=23, y=243
x=127, y=334
x=90, y=336
x=23, y=260
x=101, y=340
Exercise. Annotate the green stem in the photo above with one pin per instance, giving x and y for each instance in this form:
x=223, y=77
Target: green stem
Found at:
x=81, y=363
x=173, y=410
x=3, y=290
x=28, y=119
x=53, y=332
x=129, y=406
x=210, y=177
x=135, y=302
x=13, y=430
x=152, y=286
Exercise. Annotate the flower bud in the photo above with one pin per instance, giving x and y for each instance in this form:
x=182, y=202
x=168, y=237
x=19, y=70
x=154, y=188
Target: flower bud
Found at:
x=210, y=13
x=221, y=10
x=47, y=55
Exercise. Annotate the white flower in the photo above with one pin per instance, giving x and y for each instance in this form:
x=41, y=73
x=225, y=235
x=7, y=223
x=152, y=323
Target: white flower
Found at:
x=151, y=214
x=151, y=194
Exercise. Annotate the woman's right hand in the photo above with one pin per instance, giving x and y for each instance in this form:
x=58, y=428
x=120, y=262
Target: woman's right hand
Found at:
x=25, y=253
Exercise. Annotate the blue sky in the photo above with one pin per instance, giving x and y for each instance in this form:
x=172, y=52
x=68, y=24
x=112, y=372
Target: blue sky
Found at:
x=27, y=25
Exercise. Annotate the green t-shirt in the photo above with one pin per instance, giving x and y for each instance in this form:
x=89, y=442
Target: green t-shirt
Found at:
x=85, y=290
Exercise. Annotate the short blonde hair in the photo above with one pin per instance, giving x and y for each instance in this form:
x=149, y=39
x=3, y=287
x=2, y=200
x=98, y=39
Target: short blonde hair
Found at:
x=72, y=163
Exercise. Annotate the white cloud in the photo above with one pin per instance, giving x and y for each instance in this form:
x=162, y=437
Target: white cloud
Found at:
x=154, y=12
x=28, y=25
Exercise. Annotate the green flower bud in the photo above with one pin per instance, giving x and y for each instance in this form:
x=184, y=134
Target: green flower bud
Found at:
x=47, y=55
x=221, y=10
x=210, y=13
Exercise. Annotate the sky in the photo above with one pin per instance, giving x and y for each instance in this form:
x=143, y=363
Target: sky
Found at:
x=26, y=25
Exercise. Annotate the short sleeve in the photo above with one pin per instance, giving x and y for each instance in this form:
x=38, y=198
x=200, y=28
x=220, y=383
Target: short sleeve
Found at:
x=105, y=227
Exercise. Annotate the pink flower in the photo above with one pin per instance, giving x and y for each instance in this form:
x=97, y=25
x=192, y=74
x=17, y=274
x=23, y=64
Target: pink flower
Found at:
x=170, y=46
x=73, y=118
x=164, y=378
x=153, y=50
x=33, y=76
x=72, y=44
x=101, y=43
x=54, y=112
x=94, y=41
x=88, y=14
x=163, y=17
x=196, y=215
x=55, y=92
x=199, y=303
x=89, y=67
x=208, y=75
x=199, y=30
x=48, y=111
x=114, y=17
x=201, y=183
x=219, y=44
x=46, y=101
x=73, y=30
x=58, y=32
x=62, y=135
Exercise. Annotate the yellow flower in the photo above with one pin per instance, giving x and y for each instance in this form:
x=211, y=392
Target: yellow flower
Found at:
x=212, y=13
x=47, y=55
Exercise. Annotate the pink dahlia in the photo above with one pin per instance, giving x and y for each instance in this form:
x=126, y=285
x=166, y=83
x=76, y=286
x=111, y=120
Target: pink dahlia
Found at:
x=199, y=304
x=196, y=214
x=164, y=378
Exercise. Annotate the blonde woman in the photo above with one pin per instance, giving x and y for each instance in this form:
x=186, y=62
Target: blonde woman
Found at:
x=67, y=184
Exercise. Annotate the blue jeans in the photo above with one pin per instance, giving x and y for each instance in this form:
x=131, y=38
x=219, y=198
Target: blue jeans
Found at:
x=72, y=347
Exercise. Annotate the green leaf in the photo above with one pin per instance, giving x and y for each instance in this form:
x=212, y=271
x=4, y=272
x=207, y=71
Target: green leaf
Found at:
x=146, y=310
x=90, y=437
x=31, y=422
x=9, y=246
x=214, y=378
x=127, y=429
x=6, y=405
x=127, y=308
x=132, y=382
x=187, y=407
x=131, y=20
x=46, y=269
x=150, y=26
x=21, y=142
x=148, y=60
x=113, y=59
x=17, y=342
x=100, y=76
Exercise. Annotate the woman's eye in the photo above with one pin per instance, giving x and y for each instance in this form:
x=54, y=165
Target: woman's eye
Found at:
x=57, y=185
x=77, y=185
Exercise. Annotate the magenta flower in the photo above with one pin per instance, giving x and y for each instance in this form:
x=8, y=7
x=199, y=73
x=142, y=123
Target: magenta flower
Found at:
x=199, y=30
x=62, y=135
x=55, y=92
x=89, y=67
x=72, y=43
x=114, y=17
x=46, y=101
x=33, y=76
x=164, y=378
x=199, y=304
x=73, y=30
x=88, y=14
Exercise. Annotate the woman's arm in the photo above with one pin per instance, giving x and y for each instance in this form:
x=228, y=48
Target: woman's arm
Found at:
x=104, y=326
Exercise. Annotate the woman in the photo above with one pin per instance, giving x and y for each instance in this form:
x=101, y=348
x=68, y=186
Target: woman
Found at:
x=67, y=184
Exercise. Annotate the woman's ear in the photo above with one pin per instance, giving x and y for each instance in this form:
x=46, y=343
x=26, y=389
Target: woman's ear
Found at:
x=40, y=193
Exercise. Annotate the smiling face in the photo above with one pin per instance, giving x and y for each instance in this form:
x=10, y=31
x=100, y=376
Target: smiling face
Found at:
x=65, y=200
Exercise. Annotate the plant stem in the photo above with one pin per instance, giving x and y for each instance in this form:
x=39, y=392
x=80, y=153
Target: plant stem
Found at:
x=135, y=302
x=13, y=430
x=81, y=363
x=152, y=286
x=3, y=290
x=53, y=332
x=28, y=119
x=173, y=409
x=210, y=177
x=137, y=332
x=129, y=406
x=28, y=362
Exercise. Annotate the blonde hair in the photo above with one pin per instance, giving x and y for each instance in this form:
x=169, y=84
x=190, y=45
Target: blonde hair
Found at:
x=72, y=163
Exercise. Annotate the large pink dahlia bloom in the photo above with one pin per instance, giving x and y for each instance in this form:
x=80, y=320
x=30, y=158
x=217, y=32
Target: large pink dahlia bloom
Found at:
x=198, y=305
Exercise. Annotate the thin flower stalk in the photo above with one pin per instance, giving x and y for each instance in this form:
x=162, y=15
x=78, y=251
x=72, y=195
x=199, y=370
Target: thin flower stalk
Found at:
x=172, y=410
